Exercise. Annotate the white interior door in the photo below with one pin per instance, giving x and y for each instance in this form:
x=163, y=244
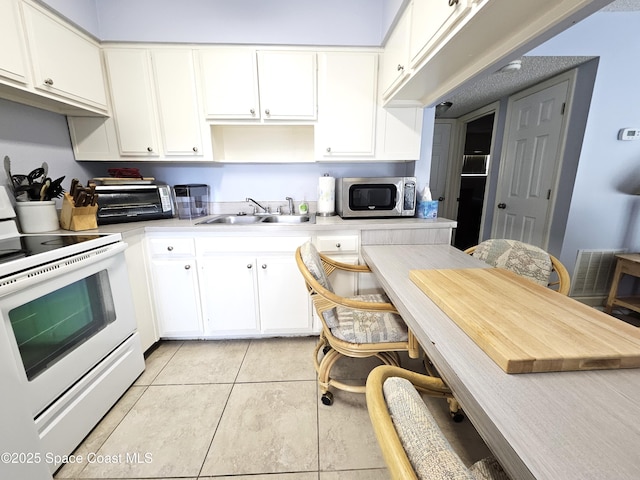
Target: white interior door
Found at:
x=531, y=155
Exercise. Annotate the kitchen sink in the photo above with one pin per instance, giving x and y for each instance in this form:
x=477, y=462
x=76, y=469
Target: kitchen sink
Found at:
x=287, y=219
x=254, y=219
x=233, y=220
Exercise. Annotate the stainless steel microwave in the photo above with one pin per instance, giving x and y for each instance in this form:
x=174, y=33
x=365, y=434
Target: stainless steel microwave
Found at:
x=376, y=197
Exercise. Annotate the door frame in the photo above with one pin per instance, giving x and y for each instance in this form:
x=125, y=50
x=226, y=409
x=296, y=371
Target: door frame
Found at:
x=456, y=160
x=569, y=76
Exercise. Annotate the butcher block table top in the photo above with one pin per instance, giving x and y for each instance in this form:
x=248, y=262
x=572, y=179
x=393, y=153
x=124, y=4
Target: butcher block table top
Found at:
x=528, y=328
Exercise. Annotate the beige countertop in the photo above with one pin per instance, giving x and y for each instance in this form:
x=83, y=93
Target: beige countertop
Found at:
x=175, y=225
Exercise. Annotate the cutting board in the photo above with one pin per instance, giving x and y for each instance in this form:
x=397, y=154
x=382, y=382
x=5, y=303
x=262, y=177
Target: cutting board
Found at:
x=527, y=328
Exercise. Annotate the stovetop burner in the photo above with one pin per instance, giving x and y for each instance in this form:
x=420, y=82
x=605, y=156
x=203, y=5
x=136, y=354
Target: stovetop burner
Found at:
x=29, y=245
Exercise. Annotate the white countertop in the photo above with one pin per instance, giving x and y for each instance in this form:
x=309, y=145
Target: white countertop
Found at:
x=176, y=225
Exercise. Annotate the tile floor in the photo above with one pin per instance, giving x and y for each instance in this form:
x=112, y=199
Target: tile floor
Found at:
x=243, y=409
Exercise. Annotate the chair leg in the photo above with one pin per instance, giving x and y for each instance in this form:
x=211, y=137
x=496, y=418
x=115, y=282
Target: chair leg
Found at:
x=454, y=410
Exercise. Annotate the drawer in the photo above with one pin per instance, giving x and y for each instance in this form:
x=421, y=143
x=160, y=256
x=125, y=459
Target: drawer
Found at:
x=337, y=243
x=172, y=246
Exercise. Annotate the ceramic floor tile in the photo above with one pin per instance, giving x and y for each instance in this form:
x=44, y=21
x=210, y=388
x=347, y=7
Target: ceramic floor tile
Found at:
x=101, y=432
x=346, y=437
x=375, y=474
x=169, y=429
x=204, y=362
x=266, y=428
x=157, y=360
x=277, y=359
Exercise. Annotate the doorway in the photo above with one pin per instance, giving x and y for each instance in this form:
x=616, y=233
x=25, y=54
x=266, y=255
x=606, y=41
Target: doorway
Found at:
x=476, y=158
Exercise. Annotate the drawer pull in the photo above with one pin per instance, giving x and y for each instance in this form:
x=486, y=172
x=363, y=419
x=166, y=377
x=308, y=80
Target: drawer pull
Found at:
x=338, y=245
x=249, y=266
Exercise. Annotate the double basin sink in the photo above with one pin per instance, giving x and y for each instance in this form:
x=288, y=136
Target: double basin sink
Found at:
x=259, y=219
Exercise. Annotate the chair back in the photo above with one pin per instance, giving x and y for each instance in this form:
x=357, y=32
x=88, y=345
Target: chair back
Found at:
x=526, y=260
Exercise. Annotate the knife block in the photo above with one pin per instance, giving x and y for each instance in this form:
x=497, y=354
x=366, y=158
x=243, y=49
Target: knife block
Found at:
x=77, y=218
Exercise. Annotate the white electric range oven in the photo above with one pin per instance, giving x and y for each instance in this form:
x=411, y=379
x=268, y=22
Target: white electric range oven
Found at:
x=68, y=340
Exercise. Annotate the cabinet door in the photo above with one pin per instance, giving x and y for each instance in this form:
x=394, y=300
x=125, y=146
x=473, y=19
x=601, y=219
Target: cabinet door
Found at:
x=133, y=102
x=346, y=123
x=229, y=295
x=175, y=289
x=13, y=65
x=287, y=83
x=394, y=66
x=229, y=79
x=284, y=300
x=431, y=20
x=399, y=133
x=178, y=110
x=65, y=62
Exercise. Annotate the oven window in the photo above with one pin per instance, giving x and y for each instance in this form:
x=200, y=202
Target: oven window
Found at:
x=380, y=196
x=53, y=325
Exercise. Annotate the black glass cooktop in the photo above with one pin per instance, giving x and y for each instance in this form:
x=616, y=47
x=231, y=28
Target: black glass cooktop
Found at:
x=29, y=245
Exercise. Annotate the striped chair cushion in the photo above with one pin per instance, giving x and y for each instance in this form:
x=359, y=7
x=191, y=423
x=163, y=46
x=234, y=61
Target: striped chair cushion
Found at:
x=523, y=259
x=357, y=326
x=429, y=452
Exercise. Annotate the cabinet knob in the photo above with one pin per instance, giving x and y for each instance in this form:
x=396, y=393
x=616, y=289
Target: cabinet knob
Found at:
x=249, y=266
x=252, y=112
x=452, y=2
x=400, y=67
x=267, y=112
x=170, y=248
x=441, y=199
x=195, y=149
x=48, y=81
x=338, y=245
x=149, y=149
x=187, y=267
x=264, y=266
x=328, y=149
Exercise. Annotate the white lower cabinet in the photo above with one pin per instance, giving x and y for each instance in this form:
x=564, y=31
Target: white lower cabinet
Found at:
x=175, y=287
x=251, y=286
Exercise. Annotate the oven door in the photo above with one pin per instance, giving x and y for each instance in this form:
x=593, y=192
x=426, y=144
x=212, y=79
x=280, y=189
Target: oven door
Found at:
x=62, y=319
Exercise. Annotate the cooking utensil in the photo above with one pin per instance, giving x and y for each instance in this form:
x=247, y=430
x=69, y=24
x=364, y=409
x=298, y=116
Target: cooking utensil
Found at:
x=35, y=174
x=55, y=189
x=44, y=188
x=7, y=170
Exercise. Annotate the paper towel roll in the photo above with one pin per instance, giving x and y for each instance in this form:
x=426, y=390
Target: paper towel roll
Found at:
x=326, y=196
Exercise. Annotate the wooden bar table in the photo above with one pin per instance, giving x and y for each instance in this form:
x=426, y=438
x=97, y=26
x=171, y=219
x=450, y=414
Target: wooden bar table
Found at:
x=556, y=425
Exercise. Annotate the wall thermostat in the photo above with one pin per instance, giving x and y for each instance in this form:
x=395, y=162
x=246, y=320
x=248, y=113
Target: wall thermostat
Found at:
x=629, y=134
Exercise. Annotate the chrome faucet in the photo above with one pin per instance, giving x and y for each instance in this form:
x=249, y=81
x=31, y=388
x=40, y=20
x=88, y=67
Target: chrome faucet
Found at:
x=292, y=209
x=251, y=200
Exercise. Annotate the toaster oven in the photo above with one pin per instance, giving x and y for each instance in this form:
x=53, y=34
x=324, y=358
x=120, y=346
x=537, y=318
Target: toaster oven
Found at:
x=134, y=203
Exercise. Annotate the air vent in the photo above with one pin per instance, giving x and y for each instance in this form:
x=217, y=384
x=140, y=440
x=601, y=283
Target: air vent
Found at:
x=593, y=273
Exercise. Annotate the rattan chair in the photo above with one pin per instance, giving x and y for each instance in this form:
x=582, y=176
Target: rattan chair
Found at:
x=525, y=260
x=358, y=327
x=412, y=444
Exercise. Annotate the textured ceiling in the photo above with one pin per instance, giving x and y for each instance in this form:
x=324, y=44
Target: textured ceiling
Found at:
x=534, y=70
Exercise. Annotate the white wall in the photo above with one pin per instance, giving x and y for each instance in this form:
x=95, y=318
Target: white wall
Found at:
x=30, y=136
x=603, y=213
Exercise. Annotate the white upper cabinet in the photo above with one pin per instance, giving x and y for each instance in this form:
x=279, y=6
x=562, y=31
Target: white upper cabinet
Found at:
x=394, y=66
x=155, y=102
x=178, y=109
x=66, y=63
x=129, y=72
x=287, y=82
x=431, y=20
x=244, y=84
x=347, y=104
x=229, y=79
x=13, y=66
x=399, y=133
